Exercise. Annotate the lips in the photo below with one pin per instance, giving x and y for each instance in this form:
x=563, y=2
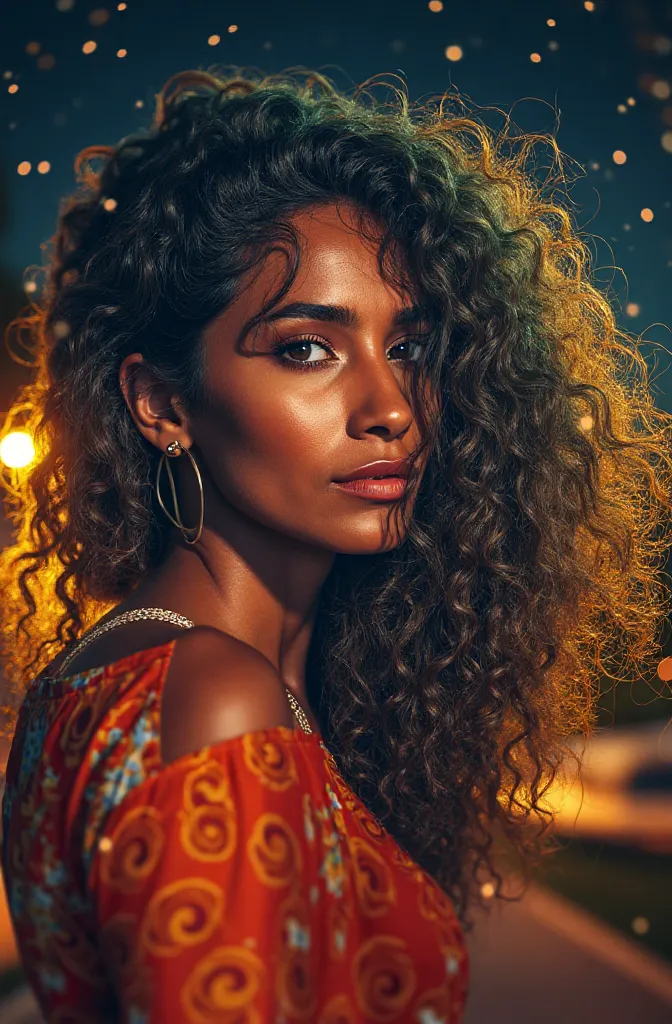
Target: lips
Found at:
x=383, y=468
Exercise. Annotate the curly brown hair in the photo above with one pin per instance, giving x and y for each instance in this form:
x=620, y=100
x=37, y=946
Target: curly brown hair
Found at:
x=450, y=671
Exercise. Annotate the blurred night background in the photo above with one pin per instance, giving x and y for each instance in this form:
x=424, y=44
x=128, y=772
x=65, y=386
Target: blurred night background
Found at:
x=598, y=77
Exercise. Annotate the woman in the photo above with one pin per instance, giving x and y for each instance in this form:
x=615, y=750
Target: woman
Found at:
x=270, y=783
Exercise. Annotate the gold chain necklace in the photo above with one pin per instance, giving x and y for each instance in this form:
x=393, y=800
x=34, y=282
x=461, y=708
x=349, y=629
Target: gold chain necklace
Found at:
x=176, y=620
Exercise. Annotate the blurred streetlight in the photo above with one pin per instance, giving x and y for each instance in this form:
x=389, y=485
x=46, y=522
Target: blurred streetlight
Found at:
x=17, y=449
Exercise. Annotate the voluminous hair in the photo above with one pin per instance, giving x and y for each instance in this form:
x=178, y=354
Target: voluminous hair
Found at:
x=449, y=672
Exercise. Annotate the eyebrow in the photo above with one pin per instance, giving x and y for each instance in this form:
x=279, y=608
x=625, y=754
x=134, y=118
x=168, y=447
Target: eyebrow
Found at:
x=344, y=316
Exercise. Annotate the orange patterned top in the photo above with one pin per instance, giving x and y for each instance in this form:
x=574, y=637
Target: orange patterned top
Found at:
x=242, y=884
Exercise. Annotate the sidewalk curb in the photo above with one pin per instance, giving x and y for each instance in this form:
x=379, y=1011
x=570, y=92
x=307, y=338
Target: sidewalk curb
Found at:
x=602, y=941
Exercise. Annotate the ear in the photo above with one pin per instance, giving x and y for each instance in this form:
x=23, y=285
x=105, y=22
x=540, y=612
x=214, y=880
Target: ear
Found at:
x=155, y=408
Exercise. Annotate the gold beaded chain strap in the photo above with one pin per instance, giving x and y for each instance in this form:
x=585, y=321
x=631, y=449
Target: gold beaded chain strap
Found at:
x=176, y=620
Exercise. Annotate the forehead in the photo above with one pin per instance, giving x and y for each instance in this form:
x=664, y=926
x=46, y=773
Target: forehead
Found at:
x=338, y=250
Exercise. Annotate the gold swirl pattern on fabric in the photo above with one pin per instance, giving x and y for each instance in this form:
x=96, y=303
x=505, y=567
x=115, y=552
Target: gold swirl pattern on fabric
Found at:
x=402, y=860
x=182, y=913
x=223, y=986
x=295, y=975
x=208, y=826
x=81, y=724
x=274, y=851
x=338, y=1010
x=270, y=760
x=369, y=824
x=374, y=884
x=137, y=843
x=384, y=977
x=345, y=794
x=433, y=903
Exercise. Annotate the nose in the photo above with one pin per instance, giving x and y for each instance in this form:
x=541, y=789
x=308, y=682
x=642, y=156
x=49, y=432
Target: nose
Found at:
x=375, y=398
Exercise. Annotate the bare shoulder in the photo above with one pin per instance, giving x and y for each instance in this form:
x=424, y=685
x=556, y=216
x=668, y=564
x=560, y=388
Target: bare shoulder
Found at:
x=217, y=687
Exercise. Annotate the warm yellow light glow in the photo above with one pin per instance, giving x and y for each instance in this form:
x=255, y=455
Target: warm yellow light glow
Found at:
x=435, y=6
x=632, y=309
x=233, y=28
x=535, y=58
x=453, y=52
x=214, y=40
x=647, y=214
x=666, y=141
x=550, y=22
x=487, y=890
x=32, y=48
x=122, y=53
x=13, y=88
x=640, y=925
x=24, y=167
x=661, y=89
x=618, y=156
x=43, y=167
x=586, y=423
x=17, y=449
x=89, y=46
x=589, y=5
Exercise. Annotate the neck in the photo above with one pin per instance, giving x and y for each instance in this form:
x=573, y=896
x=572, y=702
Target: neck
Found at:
x=264, y=593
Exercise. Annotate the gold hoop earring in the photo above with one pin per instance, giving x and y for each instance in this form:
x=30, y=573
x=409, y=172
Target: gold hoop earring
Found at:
x=173, y=451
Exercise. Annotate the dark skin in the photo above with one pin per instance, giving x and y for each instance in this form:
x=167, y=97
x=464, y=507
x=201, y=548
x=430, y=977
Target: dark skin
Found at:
x=268, y=445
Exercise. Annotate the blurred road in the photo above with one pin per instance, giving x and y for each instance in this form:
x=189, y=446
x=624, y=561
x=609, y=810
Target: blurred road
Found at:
x=546, y=961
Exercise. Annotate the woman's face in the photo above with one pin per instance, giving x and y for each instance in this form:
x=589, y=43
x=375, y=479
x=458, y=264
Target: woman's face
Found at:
x=278, y=428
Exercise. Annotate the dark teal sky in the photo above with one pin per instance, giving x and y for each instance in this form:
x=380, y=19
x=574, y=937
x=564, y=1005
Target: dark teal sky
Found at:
x=596, y=61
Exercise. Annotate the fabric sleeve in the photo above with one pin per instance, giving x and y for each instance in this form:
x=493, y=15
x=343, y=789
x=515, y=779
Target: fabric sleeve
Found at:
x=205, y=881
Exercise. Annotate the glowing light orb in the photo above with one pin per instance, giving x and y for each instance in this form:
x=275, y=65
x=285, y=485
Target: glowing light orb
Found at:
x=17, y=449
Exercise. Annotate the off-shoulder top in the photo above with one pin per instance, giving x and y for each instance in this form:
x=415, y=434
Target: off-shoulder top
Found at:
x=242, y=884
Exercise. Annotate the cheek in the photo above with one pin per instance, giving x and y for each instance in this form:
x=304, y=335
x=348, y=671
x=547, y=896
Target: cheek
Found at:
x=253, y=439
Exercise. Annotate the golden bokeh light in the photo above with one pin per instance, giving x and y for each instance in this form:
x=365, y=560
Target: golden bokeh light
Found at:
x=435, y=6
x=24, y=167
x=454, y=52
x=666, y=141
x=550, y=22
x=589, y=5
x=233, y=28
x=89, y=46
x=647, y=215
x=17, y=449
x=640, y=925
x=43, y=167
x=100, y=16
x=535, y=58
x=214, y=40
x=632, y=309
x=32, y=48
x=661, y=89
x=122, y=53
x=13, y=87
x=618, y=156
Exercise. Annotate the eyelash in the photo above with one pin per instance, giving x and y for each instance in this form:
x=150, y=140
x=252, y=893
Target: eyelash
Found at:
x=279, y=348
